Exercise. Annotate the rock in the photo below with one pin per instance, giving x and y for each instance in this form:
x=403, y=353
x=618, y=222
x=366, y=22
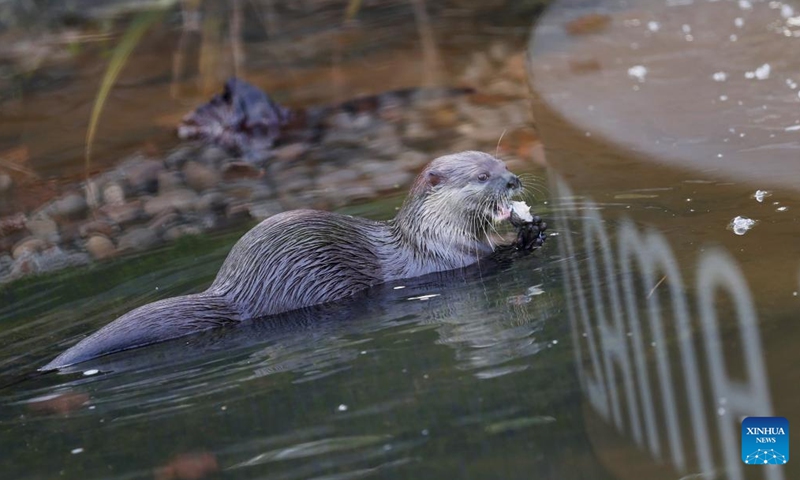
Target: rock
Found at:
x=113, y=194
x=177, y=158
x=212, y=202
x=164, y=221
x=102, y=227
x=168, y=181
x=342, y=138
x=12, y=224
x=178, y=231
x=413, y=160
x=72, y=205
x=28, y=245
x=479, y=68
x=390, y=180
x=123, y=214
x=237, y=170
x=290, y=152
x=516, y=68
x=386, y=142
x=417, y=129
x=138, y=239
x=142, y=174
x=44, y=227
x=333, y=176
x=354, y=193
x=100, y=247
x=200, y=177
x=265, y=209
x=6, y=182
x=507, y=88
x=237, y=212
x=5, y=265
x=182, y=200
x=499, y=51
x=213, y=156
x=52, y=259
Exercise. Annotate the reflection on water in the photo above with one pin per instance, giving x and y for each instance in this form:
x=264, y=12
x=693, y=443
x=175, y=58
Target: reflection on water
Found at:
x=640, y=334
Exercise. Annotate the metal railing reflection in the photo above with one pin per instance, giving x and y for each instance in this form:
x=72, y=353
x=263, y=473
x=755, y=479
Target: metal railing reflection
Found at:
x=619, y=328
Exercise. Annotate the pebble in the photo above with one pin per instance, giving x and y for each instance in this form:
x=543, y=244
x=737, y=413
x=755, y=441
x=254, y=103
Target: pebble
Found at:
x=12, y=224
x=200, y=177
x=143, y=175
x=290, y=152
x=182, y=200
x=43, y=226
x=103, y=227
x=72, y=205
x=169, y=181
x=265, y=209
x=164, y=221
x=239, y=170
x=390, y=180
x=28, y=246
x=6, y=182
x=179, y=156
x=5, y=265
x=212, y=202
x=123, y=214
x=100, y=247
x=213, y=156
x=138, y=239
x=178, y=231
x=113, y=194
x=413, y=160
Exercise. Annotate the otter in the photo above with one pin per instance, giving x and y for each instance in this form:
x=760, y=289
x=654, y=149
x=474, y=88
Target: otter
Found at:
x=303, y=258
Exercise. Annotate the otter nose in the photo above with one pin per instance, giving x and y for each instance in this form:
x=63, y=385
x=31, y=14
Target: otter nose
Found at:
x=513, y=182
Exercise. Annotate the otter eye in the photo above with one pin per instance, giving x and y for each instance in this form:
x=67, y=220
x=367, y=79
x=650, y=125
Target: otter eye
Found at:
x=483, y=177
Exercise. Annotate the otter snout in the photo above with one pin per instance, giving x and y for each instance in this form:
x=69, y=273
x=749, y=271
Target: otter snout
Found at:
x=513, y=182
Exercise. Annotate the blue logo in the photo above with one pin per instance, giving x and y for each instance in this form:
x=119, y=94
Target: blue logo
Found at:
x=765, y=440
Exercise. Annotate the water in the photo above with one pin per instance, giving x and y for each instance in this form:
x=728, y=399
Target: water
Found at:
x=630, y=346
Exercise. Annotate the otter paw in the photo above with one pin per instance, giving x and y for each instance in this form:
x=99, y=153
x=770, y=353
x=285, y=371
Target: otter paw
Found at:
x=531, y=235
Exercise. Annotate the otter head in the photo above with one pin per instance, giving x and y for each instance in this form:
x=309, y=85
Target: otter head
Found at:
x=460, y=195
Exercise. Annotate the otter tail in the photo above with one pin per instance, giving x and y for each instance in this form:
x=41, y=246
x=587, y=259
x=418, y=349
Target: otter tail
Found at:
x=152, y=323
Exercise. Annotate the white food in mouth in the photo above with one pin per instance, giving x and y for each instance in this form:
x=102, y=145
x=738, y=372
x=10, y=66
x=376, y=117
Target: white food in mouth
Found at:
x=522, y=211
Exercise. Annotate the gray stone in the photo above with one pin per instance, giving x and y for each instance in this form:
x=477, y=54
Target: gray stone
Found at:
x=72, y=205
x=213, y=156
x=5, y=264
x=179, y=156
x=200, y=177
x=100, y=247
x=182, y=200
x=212, y=202
x=138, y=239
x=290, y=152
x=168, y=181
x=142, y=174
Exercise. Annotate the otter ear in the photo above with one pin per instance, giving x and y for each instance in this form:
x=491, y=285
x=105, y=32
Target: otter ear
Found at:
x=435, y=178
